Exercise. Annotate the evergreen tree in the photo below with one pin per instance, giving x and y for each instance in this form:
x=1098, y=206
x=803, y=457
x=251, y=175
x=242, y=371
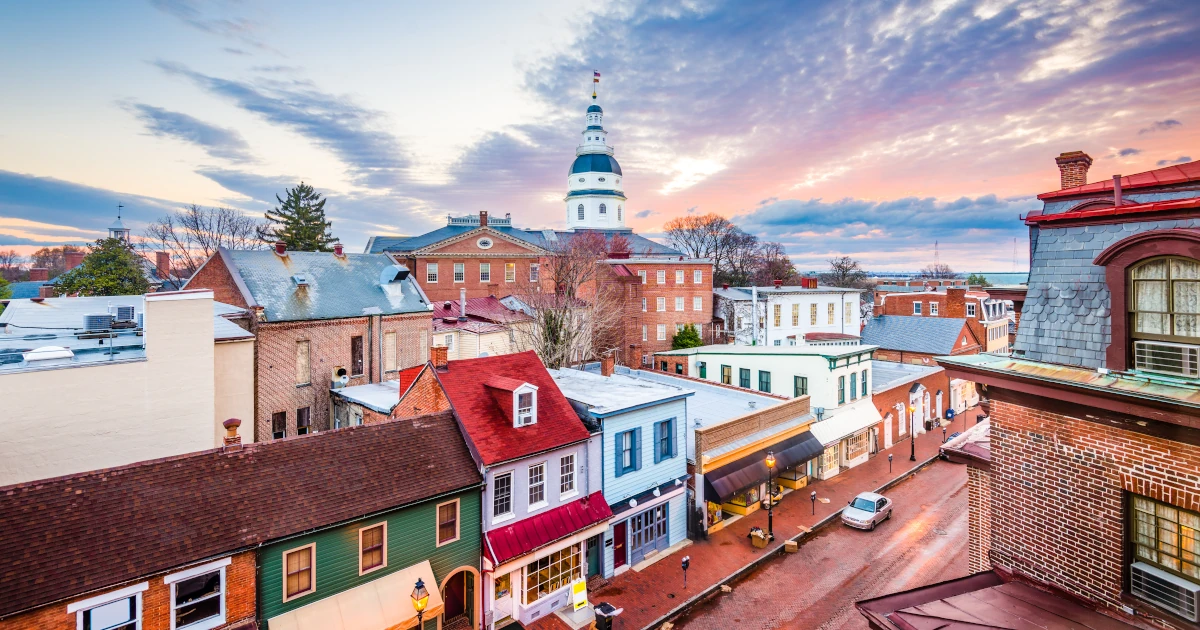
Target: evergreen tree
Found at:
x=689, y=337
x=300, y=221
x=110, y=268
x=5, y=292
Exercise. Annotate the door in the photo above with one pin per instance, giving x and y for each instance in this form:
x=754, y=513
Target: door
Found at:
x=619, y=558
x=648, y=533
x=593, y=555
x=456, y=595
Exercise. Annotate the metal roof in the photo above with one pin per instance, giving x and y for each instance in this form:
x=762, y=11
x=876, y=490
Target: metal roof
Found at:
x=595, y=163
x=27, y=289
x=807, y=350
x=607, y=395
x=537, y=531
x=542, y=239
x=747, y=293
x=1177, y=174
x=889, y=374
x=929, y=335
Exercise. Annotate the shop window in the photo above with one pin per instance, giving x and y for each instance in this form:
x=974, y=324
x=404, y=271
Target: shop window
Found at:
x=548, y=574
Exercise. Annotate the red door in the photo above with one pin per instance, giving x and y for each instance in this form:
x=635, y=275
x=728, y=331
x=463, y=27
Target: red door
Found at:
x=619, y=545
x=455, y=595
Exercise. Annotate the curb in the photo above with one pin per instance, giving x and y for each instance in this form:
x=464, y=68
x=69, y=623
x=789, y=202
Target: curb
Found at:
x=704, y=595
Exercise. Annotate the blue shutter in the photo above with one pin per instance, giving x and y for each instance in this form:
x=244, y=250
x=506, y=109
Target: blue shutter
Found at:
x=618, y=461
x=671, y=435
x=659, y=429
x=637, y=448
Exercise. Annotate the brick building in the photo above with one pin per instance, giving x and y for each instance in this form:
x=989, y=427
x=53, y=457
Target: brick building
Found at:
x=989, y=319
x=659, y=297
x=1086, y=490
x=919, y=340
x=910, y=399
x=318, y=317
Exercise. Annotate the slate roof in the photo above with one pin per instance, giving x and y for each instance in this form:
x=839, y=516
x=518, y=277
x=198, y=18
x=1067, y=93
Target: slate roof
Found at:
x=1177, y=174
x=488, y=428
x=87, y=531
x=542, y=239
x=25, y=290
x=929, y=335
x=347, y=286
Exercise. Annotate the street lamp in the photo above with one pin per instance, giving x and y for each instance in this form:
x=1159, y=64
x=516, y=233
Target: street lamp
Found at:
x=889, y=463
x=912, y=424
x=420, y=598
x=813, y=496
x=943, y=435
x=770, y=496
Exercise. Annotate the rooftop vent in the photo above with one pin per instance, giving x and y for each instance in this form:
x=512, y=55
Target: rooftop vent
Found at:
x=300, y=279
x=46, y=353
x=97, y=322
x=392, y=273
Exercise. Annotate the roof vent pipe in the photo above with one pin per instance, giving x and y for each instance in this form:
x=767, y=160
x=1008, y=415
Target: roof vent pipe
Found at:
x=1116, y=190
x=462, y=305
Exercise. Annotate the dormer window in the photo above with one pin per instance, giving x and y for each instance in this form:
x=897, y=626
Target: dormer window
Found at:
x=526, y=409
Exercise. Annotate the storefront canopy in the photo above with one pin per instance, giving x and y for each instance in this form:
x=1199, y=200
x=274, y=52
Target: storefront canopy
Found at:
x=846, y=421
x=722, y=484
x=382, y=604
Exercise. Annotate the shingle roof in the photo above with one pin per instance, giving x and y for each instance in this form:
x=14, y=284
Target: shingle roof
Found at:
x=25, y=290
x=930, y=335
x=1177, y=174
x=70, y=535
x=347, y=286
x=489, y=428
x=543, y=239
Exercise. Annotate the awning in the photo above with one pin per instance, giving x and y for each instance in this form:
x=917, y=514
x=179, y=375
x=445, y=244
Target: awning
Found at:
x=730, y=479
x=537, y=531
x=381, y=604
x=844, y=422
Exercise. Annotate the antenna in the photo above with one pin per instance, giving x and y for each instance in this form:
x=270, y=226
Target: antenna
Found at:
x=937, y=259
x=119, y=206
x=1014, y=266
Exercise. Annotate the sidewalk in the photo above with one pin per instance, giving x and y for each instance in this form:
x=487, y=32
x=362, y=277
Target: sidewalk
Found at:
x=654, y=592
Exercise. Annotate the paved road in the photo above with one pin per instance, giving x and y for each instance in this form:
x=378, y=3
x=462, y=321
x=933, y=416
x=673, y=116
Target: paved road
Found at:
x=925, y=541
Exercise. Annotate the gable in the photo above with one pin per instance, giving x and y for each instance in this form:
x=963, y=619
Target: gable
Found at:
x=468, y=245
x=423, y=396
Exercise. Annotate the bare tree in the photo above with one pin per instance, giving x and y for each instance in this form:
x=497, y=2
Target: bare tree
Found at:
x=194, y=234
x=845, y=272
x=771, y=263
x=53, y=258
x=10, y=265
x=937, y=271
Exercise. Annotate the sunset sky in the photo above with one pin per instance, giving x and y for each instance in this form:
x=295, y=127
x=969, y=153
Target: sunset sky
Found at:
x=868, y=129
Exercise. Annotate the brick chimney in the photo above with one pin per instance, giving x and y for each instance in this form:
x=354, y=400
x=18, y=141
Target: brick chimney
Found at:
x=233, y=441
x=439, y=356
x=73, y=259
x=338, y=250
x=779, y=284
x=281, y=248
x=162, y=263
x=483, y=218
x=46, y=291
x=1072, y=168
x=607, y=363
x=39, y=274
x=956, y=302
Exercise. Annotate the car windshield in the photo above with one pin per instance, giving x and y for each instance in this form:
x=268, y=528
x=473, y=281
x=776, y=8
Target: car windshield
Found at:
x=865, y=505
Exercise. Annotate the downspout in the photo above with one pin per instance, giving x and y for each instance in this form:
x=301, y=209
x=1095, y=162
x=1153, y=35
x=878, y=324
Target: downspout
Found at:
x=754, y=316
x=370, y=349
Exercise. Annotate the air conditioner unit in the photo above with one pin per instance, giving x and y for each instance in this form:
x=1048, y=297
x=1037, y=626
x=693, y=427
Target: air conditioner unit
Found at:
x=97, y=322
x=125, y=313
x=1164, y=357
x=340, y=377
x=1165, y=590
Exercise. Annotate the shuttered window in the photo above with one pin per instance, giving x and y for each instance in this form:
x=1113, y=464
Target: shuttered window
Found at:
x=303, y=366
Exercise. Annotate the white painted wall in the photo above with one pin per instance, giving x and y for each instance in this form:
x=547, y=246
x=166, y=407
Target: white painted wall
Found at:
x=737, y=315
x=588, y=480
x=786, y=364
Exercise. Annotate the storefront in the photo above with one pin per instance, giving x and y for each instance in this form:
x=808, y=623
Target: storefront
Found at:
x=375, y=605
x=963, y=395
x=645, y=526
x=737, y=487
x=846, y=434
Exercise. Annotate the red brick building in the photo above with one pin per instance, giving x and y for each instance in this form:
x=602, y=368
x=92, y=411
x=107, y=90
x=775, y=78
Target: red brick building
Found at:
x=907, y=397
x=988, y=318
x=319, y=316
x=660, y=297
x=918, y=340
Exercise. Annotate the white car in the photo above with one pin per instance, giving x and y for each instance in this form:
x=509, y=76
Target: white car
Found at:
x=867, y=510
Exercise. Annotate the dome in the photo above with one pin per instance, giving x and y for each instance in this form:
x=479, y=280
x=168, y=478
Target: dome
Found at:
x=595, y=109
x=595, y=163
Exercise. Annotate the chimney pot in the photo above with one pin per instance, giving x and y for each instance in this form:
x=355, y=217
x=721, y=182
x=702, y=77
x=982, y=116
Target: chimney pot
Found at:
x=724, y=285
x=778, y=284
x=462, y=305
x=483, y=218
x=281, y=248
x=338, y=250
x=39, y=274
x=1072, y=168
x=73, y=259
x=162, y=265
x=233, y=441
x=1116, y=190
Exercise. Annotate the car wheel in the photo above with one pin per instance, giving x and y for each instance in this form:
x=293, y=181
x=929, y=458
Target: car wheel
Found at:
x=889, y=516
x=872, y=527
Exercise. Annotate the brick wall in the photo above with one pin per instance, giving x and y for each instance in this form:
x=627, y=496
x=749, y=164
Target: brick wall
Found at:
x=424, y=396
x=1060, y=487
x=215, y=275
x=446, y=289
x=979, y=521
x=887, y=400
x=708, y=438
x=632, y=346
x=240, y=602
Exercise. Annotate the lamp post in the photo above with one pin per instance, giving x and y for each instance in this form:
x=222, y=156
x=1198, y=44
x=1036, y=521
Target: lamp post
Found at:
x=912, y=424
x=420, y=598
x=770, y=496
x=889, y=463
x=943, y=435
x=813, y=496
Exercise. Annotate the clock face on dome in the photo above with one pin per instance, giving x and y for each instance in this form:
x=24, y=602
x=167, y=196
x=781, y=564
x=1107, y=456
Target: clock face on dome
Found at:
x=601, y=179
x=580, y=180
x=484, y=243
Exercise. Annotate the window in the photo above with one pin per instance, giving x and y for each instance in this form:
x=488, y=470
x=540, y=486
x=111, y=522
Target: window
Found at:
x=643, y=306
x=678, y=304
x=117, y=610
x=744, y=378
x=777, y=311
x=642, y=275
x=551, y=573
x=678, y=276
x=661, y=303
x=537, y=484
x=916, y=308
x=764, y=381
x=864, y=383
x=525, y=415
x=661, y=276
x=279, y=425
x=850, y=312
x=970, y=310
x=795, y=315
x=1166, y=537
x=662, y=331
x=431, y=273
x=697, y=276
x=603, y=209
x=566, y=475
x=841, y=390
x=356, y=356
x=198, y=596
x=389, y=351
x=618, y=213
x=303, y=367
x=503, y=586
x=510, y=272
x=372, y=548
x=702, y=368
x=678, y=328
x=697, y=303
x=830, y=308
x=534, y=271
x=812, y=314
x=502, y=494
x=853, y=386
x=459, y=272
x=664, y=440
x=629, y=451
x=727, y=375
x=447, y=516
x=644, y=332
x=449, y=343
x=662, y=366
x=799, y=386
x=679, y=368
x=298, y=578
x=485, y=272
x=302, y=422
x=580, y=212
x=1165, y=300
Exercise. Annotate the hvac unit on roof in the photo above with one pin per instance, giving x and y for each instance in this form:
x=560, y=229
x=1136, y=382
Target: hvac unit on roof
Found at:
x=97, y=322
x=1167, y=358
x=126, y=313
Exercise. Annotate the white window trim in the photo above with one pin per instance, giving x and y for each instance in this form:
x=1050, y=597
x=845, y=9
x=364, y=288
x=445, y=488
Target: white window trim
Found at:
x=312, y=567
x=437, y=515
x=513, y=277
x=198, y=570
x=662, y=332
x=697, y=303
x=679, y=277
x=574, y=491
x=526, y=388
x=385, y=547
x=970, y=310
x=660, y=305
x=431, y=267
x=933, y=309
x=454, y=273
x=500, y=518
x=487, y=266
x=531, y=507
x=175, y=578
x=917, y=308
x=697, y=276
x=660, y=276
x=106, y=598
x=679, y=304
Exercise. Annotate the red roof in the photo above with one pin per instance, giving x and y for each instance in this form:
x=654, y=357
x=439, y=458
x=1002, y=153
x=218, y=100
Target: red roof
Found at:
x=485, y=308
x=622, y=270
x=488, y=427
x=1178, y=174
x=408, y=375
x=1111, y=211
x=539, y=530
x=826, y=336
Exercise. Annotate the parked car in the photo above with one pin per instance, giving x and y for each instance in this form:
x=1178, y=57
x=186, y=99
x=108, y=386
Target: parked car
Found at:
x=867, y=510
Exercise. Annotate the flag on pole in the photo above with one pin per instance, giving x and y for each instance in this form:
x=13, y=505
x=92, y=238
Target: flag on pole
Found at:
x=595, y=77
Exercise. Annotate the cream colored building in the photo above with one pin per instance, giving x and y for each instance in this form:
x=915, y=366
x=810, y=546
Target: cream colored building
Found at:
x=487, y=328
x=95, y=382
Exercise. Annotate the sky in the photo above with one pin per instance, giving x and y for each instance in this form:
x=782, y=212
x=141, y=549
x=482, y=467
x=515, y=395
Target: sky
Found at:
x=867, y=129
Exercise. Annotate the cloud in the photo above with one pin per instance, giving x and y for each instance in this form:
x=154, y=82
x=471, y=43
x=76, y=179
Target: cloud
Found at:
x=1179, y=160
x=1128, y=152
x=192, y=13
x=64, y=204
x=235, y=51
x=644, y=214
x=1162, y=125
x=219, y=142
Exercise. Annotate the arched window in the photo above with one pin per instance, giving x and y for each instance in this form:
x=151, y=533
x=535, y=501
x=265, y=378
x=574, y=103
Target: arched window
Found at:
x=618, y=213
x=603, y=210
x=1165, y=300
x=580, y=212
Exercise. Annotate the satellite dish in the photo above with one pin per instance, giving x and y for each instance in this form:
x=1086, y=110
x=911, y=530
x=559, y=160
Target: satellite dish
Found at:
x=343, y=379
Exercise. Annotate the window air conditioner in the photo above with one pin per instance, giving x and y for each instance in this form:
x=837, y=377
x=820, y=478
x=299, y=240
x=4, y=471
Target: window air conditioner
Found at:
x=1167, y=358
x=1165, y=590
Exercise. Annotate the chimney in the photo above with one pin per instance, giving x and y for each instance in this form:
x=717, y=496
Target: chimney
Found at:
x=39, y=274
x=439, y=357
x=483, y=218
x=73, y=259
x=462, y=305
x=1072, y=168
x=281, y=248
x=607, y=363
x=724, y=285
x=162, y=264
x=956, y=298
x=1116, y=190
x=338, y=250
x=45, y=291
x=779, y=284
x=233, y=441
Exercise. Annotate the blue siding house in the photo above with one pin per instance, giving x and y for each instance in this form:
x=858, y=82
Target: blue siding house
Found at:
x=643, y=454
